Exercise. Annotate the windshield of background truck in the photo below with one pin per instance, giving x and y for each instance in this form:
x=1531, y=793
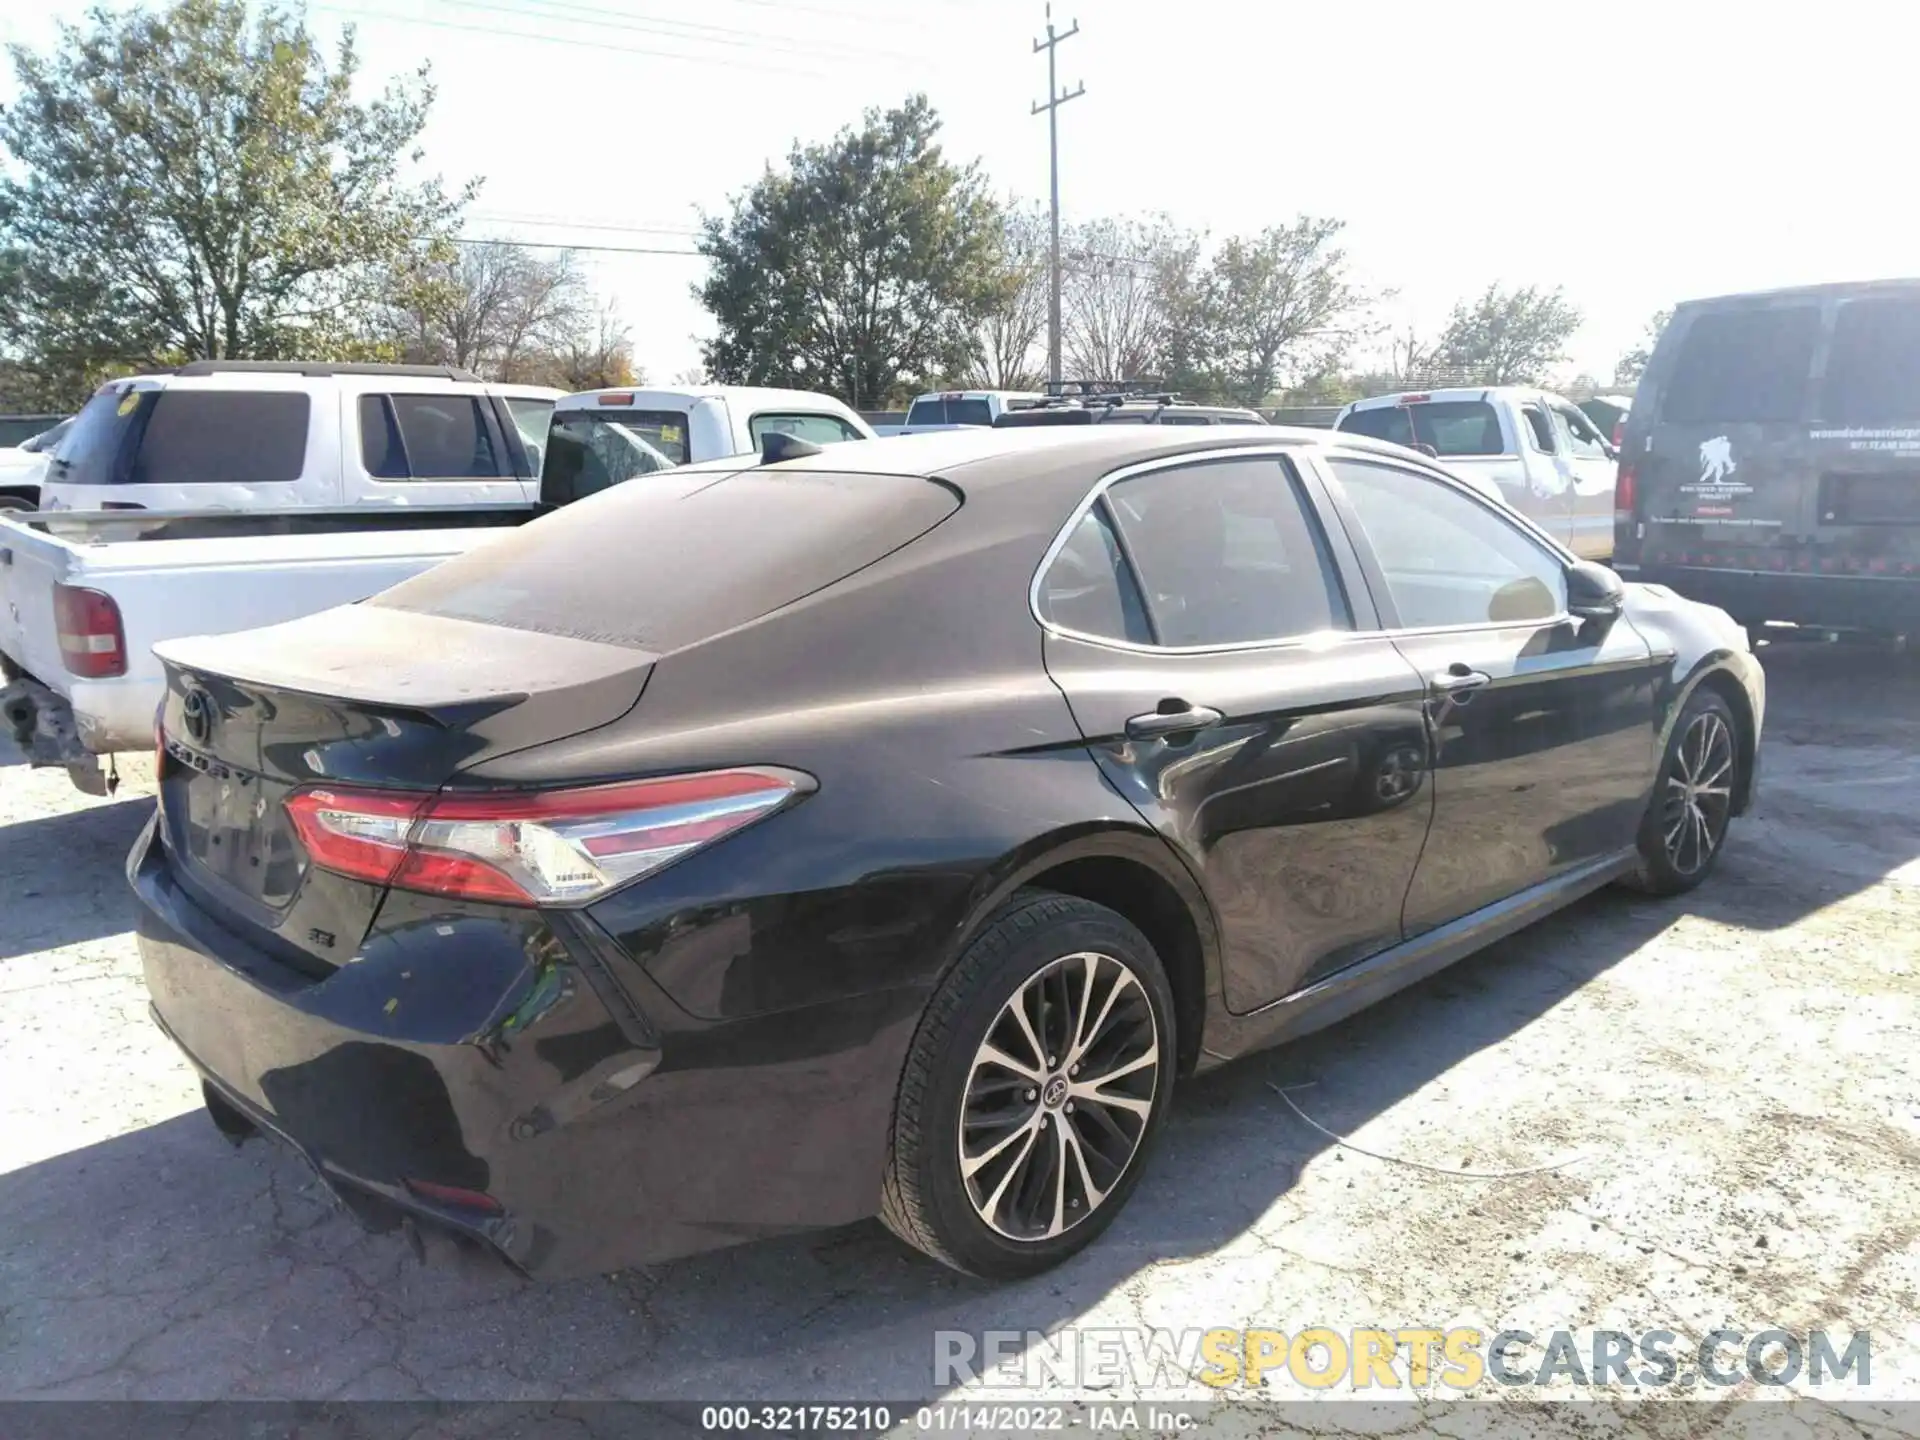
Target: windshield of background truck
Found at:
x=938, y=410
x=592, y=450
x=1454, y=428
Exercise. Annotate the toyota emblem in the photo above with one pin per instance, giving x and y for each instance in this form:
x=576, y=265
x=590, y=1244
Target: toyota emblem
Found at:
x=196, y=713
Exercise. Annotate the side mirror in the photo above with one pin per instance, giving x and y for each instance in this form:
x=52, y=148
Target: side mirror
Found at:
x=1594, y=592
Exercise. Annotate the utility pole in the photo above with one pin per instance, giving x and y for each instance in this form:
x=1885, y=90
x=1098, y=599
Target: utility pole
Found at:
x=1056, y=97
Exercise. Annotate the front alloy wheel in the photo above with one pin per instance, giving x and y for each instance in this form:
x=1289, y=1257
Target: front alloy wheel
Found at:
x=1686, y=822
x=1699, y=794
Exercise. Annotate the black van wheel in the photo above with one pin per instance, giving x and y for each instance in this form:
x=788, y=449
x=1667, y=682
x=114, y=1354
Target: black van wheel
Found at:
x=1039, y=1076
x=1685, y=826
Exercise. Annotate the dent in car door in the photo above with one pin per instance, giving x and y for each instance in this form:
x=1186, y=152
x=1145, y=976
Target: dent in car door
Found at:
x=1543, y=726
x=1290, y=773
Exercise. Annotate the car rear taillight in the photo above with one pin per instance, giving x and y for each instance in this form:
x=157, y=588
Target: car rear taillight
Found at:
x=532, y=847
x=1625, y=493
x=92, y=643
x=1619, y=431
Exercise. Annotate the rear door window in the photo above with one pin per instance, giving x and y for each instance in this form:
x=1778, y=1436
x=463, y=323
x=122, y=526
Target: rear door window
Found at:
x=1227, y=554
x=1873, y=372
x=186, y=437
x=430, y=437
x=1742, y=366
x=1454, y=428
x=819, y=429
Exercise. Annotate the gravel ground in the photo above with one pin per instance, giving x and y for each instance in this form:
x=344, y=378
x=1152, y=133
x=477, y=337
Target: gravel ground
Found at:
x=1735, y=1075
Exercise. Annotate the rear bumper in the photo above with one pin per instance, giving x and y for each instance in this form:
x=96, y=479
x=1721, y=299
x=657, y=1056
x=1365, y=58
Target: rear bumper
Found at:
x=476, y=1050
x=1843, y=602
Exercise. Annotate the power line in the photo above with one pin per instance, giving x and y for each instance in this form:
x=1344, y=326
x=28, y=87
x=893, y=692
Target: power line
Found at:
x=1056, y=97
x=549, y=39
x=558, y=222
x=688, y=30
x=552, y=245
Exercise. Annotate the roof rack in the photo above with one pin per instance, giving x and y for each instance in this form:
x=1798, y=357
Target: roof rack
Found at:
x=320, y=368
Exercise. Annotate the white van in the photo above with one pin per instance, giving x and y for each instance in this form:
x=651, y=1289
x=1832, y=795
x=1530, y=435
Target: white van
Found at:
x=252, y=435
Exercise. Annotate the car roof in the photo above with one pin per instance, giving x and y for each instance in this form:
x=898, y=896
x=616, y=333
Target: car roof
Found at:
x=1833, y=290
x=1456, y=393
x=678, y=399
x=976, y=458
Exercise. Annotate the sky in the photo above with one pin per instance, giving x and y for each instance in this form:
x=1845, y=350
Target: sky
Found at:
x=1635, y=154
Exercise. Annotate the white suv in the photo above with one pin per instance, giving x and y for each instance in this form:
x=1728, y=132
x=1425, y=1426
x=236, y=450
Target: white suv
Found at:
x=253, y=435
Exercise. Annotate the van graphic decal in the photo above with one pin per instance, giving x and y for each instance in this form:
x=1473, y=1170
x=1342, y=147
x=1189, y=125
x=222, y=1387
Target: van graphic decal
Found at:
x=1716, y=460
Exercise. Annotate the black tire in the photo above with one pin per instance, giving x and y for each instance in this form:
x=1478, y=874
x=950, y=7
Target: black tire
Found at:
x=1678, y=852
x=1037, y=939
x=16, y=505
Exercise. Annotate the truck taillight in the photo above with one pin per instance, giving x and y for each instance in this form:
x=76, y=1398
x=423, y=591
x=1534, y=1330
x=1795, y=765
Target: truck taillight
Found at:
x=531, y=847
x=1624, y=493
x=93, y=645
x=1619, y=431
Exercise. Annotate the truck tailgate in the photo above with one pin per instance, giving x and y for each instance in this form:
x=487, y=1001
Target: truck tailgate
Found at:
x=30, y=565
x=166, y=589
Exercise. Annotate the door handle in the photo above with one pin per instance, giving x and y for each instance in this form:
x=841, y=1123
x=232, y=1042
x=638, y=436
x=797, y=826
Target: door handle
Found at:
x=1173, y=717
x=1460, y=682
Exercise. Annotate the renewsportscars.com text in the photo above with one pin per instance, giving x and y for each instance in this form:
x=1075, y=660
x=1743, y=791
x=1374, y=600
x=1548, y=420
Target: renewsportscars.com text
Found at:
x=1407, y=1358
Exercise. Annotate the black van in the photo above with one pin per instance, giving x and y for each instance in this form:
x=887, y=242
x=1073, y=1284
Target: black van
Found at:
x=1771, y=463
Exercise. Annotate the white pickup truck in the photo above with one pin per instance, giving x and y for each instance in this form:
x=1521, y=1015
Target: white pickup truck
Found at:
x=1547, y=458
x=84, y=596
x=269, y=435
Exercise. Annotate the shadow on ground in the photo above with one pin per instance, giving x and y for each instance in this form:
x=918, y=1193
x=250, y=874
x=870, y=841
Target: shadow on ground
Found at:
x=64, y=876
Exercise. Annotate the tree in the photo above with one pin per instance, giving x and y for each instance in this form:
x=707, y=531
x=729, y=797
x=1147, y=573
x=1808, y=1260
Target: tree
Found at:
x=1008, y=345
x=189, y=182
x=1118, y=277
x=596, y=356
x=1279, y=309
x=867, y=262
x=492, y=308
x=1633, y=364
x=1509, y=337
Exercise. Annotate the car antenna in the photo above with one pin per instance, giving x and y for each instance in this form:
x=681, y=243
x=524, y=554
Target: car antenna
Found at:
x=778, y=445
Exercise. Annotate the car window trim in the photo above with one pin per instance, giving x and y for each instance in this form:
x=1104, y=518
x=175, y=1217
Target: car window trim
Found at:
x=1359, y=602
x=1369, y=562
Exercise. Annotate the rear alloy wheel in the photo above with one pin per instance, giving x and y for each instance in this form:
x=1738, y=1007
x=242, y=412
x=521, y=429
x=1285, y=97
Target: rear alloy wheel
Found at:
x=1692, y=805
x=1040, y=1073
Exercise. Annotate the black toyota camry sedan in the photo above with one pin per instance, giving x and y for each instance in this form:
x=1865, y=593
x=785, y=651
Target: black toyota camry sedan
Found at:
x=781, y=841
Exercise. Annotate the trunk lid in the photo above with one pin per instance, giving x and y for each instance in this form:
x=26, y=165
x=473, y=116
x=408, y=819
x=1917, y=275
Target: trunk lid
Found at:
x=354, y=696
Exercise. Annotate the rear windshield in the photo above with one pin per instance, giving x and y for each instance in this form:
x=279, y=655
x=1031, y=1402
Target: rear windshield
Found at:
x=1451, y=427
x=186, y=437
x=1742, y=366
x=1873, y=373
x=660, y=565
x=941, y=411
x=592, y=450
